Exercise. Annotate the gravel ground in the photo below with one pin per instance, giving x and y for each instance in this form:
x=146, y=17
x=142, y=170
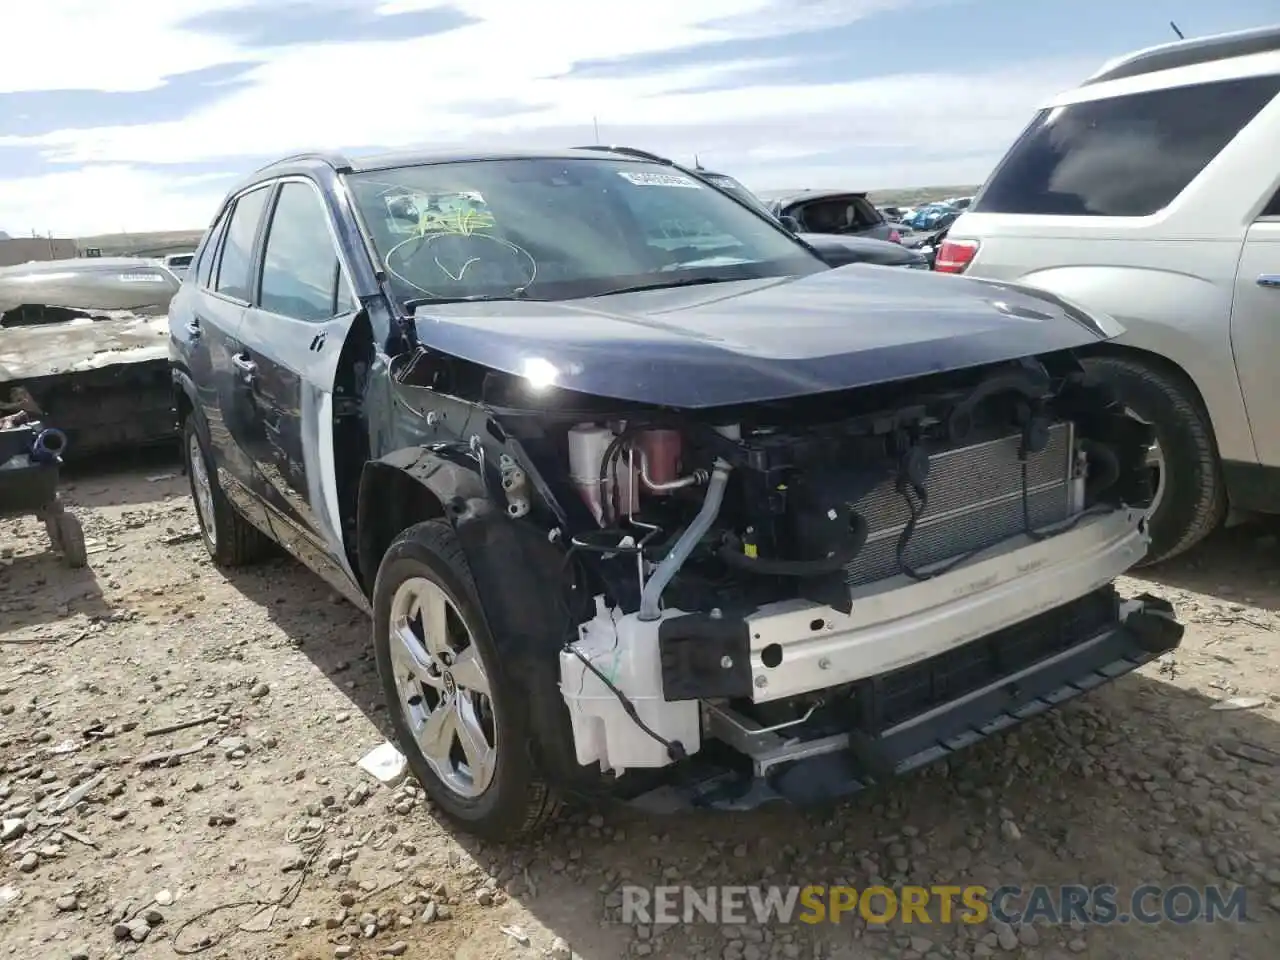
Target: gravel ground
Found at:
x=251, y=833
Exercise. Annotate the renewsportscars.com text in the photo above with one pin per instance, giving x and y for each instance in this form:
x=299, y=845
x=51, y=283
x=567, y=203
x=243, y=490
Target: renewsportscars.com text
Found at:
x=940, y=903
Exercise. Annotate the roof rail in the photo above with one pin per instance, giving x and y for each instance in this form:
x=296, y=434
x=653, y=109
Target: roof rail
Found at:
x=335, y=160
x=627, y=151
x=1189, y=53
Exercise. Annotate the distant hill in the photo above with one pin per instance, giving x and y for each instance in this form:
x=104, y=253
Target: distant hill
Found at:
x=172, y=241
x=142, y=244
x=3, y=235
x=915, y=197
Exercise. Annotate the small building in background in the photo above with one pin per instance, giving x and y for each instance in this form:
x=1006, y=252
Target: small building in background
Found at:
x=16, y=250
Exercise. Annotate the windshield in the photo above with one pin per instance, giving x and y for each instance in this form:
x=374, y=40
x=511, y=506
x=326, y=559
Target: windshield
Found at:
x=735, y=187
x=560, y=229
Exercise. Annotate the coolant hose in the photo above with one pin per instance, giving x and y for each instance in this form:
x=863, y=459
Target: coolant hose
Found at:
x=651, y=595
x=48, y=445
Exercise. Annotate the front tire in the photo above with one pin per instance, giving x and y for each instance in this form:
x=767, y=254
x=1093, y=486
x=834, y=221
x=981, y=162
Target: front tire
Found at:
x=457, y=714
x=232, y=541
x=1191, y=498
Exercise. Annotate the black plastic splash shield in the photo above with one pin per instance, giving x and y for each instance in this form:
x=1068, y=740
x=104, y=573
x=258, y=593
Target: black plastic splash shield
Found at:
x=1145, y=634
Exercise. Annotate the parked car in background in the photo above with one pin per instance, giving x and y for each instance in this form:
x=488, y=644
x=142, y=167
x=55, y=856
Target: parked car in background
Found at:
x=1152, y=193
x=842, y=212
x=83, y=347
x=927, y=243
x=837, y=250
x=179, y=262
x=608, y=456
x=931, y=218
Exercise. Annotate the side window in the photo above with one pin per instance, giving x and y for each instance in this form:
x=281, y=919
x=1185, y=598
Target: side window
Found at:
x=235, y=276
x=1272, y=209
x=209, y=252
x=301, y=277
x=1126, y=156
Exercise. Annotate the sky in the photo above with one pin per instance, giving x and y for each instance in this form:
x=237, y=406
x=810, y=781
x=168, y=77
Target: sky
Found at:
x=139, y=116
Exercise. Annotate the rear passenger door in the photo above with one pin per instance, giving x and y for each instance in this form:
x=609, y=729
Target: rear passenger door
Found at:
x=293, y=336
x=1255, y=329
x=217, y=310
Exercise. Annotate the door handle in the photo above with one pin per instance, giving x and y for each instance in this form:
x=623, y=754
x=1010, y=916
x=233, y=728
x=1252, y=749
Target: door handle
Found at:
x=1269, y=280
x=246, y=366
x=193, y=330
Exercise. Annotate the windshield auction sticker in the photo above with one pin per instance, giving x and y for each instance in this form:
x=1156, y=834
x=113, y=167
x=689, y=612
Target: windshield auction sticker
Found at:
x=646, y=179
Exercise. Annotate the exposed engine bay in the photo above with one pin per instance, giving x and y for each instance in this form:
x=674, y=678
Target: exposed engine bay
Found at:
x=871, y=574
x=741, y=573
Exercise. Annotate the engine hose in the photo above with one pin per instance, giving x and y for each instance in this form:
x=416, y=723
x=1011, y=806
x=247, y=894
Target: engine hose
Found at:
x=731, y=553
x=651, y=595
x=1104, y=457
x=49, y=445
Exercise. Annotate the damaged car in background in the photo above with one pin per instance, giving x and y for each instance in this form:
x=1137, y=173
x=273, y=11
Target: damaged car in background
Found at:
x=83, y=347
x=707, y=524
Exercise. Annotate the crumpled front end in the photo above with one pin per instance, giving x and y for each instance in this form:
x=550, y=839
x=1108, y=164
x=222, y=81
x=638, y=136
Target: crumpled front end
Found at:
x=796, y=598
x=102, y=377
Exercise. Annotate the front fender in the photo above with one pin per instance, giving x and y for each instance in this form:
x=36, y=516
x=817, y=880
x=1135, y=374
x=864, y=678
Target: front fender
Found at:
x=1181, y=317
x=518, y=568
x=520, y=576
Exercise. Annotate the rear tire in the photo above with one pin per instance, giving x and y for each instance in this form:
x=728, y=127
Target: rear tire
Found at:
x=1193, y=498
x=512, y=798
x=230, y=539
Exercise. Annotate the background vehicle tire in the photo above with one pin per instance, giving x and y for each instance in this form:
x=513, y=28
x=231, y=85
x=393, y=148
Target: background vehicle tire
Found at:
x=1192, y=499
x=232, y=541
x=431, y=673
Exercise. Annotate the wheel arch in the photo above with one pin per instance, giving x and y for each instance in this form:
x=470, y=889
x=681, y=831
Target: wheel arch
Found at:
x=390, y=500
x=185, y=406
x=184, y=395
x=1163, y=365
x=517, y=568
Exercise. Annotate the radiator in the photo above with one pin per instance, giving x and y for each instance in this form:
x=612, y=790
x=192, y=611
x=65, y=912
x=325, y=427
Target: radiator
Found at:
x=975, y=501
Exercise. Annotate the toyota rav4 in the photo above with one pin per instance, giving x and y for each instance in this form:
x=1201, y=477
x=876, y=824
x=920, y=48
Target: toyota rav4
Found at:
x=643, y=498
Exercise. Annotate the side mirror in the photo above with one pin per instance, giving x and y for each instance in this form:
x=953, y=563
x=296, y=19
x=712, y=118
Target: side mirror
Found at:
x=791, y=224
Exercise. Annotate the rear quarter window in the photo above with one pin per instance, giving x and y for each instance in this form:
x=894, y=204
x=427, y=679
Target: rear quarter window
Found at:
x=1127, y=156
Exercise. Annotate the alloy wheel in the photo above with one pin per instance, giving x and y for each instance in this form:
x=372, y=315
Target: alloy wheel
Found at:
x=443, y=689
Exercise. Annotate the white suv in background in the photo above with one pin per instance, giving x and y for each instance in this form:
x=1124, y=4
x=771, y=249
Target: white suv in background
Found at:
x=1152, y=193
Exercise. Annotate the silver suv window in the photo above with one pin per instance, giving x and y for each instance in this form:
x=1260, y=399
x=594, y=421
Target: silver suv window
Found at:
x=1127, y=156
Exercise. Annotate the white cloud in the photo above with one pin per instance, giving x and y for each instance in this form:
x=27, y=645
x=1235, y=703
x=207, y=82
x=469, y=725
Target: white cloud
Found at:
x=426, y=90
x=96, y=45
x=107, y=198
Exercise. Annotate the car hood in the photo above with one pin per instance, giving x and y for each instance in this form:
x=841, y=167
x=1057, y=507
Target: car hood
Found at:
x=756, y=340
x=861, y=249
x=89, y=284
x=82, y=344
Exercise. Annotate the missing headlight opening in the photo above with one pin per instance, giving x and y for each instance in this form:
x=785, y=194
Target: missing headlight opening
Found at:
x=725, y=571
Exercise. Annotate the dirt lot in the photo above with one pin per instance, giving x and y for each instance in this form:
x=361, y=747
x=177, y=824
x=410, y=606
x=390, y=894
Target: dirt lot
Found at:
x=264, y=840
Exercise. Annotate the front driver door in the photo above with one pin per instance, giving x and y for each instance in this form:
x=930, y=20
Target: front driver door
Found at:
x=293, y=336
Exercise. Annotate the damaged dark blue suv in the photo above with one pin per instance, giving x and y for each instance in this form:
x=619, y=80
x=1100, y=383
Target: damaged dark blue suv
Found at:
x=644, y=499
